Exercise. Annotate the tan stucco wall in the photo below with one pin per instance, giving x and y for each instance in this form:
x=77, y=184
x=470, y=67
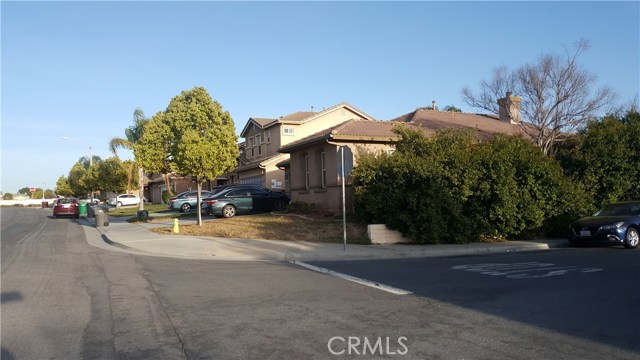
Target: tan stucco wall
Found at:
x=278, y=139
x=329, y=198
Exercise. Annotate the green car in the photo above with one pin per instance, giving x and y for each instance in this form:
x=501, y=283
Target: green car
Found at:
x=187, y=200
x=244, y=200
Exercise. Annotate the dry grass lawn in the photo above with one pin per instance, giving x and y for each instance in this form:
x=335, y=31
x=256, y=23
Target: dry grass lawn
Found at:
x=276, y=227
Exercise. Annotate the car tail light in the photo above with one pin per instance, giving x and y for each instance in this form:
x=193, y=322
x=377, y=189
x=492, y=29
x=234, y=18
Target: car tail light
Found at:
x=172, y=200
x=211, y=202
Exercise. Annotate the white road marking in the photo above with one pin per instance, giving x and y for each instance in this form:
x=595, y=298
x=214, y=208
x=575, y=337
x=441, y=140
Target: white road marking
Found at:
x=358, y=280
x=525, y=269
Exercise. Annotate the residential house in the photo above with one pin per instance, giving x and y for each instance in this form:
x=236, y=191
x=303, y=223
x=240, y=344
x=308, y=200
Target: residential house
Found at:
x=155, y=185
x=315, y=164
x=259, y=153
x=485, y=126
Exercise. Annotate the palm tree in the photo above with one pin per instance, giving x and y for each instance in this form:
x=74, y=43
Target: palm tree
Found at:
x=133, y=134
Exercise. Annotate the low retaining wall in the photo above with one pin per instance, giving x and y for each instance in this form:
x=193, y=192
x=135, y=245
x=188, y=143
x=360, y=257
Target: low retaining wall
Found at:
x=379, y=234
x=28, y=202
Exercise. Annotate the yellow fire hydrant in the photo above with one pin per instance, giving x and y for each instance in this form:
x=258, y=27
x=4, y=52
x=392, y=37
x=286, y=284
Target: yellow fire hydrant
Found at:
x=176, y=226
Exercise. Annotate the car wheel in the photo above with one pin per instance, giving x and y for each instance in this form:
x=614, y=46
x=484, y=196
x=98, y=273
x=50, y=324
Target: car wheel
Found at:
x=119, y=203
x=278, y=205
x=185, y=208
x=228, y=211
x=77, y=216
x=632, y=239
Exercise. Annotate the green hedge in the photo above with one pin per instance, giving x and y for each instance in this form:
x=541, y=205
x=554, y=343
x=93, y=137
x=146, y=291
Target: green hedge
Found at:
x=450, y=188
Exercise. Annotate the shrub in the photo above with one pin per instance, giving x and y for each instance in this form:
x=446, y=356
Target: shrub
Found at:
x=302, y=207
x=451, y=189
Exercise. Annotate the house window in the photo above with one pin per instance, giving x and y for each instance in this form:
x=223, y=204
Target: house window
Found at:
x=253, y=152
x=287, y=130
x=258, y=143
x=268, y=136
x=306, y=171
x=323, y=169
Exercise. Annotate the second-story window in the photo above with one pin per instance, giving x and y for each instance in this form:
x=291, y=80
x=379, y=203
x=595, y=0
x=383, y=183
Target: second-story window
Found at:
x=267, y=135
x=287, y=130
x=258, y=143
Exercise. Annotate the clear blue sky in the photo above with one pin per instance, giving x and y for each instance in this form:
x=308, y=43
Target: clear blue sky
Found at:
x=79, y=69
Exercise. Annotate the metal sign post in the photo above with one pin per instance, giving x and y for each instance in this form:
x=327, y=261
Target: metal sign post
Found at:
x=344, y=206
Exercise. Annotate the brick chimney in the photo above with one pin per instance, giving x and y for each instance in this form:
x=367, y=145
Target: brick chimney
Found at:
x=509, y=108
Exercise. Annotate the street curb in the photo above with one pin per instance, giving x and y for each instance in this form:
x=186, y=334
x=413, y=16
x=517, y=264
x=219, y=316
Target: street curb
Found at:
x=291, y=253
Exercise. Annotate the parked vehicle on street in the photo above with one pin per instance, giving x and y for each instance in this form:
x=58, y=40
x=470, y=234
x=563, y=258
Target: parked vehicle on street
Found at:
x=88, y=200
x=614, y=224
x=124, y=200
x=187, y=200
x=66, y=207
x=244, y=199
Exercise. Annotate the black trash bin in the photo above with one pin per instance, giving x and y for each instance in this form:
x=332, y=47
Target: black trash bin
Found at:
x=143, y=215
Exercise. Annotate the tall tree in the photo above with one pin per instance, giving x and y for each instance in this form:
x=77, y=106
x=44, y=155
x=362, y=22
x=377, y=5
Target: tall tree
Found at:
x=152, y=150
x=75, y=176
x=199, y=136
x=108, y=175
x=555, y=92
x=133, y=134
x=605, y=157
x=62, y=187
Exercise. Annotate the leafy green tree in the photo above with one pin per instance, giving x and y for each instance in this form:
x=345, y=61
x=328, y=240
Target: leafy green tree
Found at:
x=48, y=194
x=205, y=143
x=153, y=149
x=24, y=190
x=74, y=179
x=193, y=137
x=7, y=196
x=133, y=135
x=108, y=175
x=62, y=187
x=605, y=157
x=451, y=108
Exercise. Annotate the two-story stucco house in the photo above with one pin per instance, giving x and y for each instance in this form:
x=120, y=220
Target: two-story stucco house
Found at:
x=314, y=168
x=263, y=137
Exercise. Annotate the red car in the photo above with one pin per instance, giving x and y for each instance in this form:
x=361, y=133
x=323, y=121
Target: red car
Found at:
x=66, y=207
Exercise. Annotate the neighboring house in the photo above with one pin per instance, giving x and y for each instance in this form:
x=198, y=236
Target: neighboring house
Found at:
x=315, y=161
x=486, y=126
x=259, y=154
x=156, y=185
x=315, y=164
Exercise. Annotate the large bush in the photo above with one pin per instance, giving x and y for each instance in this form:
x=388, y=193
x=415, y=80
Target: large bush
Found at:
x=605, y=158
x=451, y=189
x=520, y=190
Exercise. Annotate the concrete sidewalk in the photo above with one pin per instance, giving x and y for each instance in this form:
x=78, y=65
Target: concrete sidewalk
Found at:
x=137, y=237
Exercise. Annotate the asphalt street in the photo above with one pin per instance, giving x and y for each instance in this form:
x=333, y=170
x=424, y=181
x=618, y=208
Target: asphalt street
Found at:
x=65, y=298
x=590, y=293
